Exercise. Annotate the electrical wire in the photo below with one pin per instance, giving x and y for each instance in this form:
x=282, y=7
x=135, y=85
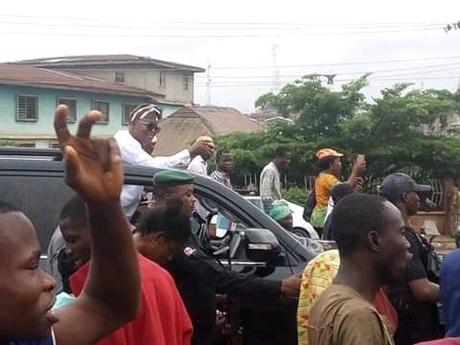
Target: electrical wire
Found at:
x=267, y=83
x=221, y=23
x=405, y=70
x=338, y=64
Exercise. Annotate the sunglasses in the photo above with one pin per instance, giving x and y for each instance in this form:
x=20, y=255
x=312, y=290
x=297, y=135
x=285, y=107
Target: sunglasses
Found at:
x=151, y=127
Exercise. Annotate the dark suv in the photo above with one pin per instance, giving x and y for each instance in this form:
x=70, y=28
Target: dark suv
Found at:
x=33, y=180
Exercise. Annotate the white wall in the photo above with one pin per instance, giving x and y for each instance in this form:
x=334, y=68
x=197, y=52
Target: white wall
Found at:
x=149, y=80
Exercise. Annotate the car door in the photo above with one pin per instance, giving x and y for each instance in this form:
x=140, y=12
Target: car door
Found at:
x=271, y=315
x=230, y=248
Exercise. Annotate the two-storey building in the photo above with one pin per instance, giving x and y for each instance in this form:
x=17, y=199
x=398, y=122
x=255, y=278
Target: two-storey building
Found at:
x=175, y=82
x=29, y=96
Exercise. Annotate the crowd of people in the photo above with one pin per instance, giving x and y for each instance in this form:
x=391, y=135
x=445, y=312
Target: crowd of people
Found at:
x=135, y=266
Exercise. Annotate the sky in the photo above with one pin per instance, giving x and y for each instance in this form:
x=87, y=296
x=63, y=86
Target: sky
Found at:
x=252, y=47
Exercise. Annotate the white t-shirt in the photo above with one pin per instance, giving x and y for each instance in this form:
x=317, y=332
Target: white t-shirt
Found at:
x=198, y=165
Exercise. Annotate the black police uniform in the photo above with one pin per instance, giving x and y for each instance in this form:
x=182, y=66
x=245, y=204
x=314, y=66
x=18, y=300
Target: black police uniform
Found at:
x=199, y=277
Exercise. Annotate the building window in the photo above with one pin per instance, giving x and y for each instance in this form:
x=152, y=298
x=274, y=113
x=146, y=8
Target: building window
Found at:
x=186, y=82
x=104, y=108
x=127, y=109
x=163, y=79
x=27, y=108
x=54, y=145
x=119, y=77
x=71, y=105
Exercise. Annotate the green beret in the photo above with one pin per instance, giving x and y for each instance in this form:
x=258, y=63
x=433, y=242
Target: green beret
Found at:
x=172, y=178
x=280, y=210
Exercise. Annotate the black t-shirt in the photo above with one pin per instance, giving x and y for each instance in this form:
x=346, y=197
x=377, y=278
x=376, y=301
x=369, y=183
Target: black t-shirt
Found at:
x=416, y=268
x=417, y=320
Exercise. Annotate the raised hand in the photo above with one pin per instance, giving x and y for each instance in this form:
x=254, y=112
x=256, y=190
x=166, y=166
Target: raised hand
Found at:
x=360, y=164
x=94, y=170
x=93, y=166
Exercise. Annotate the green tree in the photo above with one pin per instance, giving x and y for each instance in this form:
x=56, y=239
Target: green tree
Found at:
x=388, y=129
x=319, y=111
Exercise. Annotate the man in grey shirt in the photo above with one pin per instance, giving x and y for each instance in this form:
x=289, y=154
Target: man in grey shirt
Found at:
x=270, y=178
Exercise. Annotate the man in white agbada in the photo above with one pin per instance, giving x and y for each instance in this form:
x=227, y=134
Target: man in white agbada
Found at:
x=136, y=146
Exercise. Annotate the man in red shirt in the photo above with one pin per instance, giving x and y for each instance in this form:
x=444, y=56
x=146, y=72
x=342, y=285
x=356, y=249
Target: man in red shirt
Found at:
x=162, y=318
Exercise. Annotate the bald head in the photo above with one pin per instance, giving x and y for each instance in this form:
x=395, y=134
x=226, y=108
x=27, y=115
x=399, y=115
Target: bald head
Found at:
x=368, y=230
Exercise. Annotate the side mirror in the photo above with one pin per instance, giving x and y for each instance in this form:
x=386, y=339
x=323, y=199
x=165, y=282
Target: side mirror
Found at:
x=261, y=245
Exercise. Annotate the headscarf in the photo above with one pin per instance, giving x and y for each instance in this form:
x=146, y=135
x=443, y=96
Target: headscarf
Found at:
x=280, y=210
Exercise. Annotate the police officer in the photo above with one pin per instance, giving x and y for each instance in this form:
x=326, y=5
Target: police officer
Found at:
x=199, y=276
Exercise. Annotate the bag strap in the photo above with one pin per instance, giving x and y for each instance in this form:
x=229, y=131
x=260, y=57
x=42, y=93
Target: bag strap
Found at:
x=427, y=247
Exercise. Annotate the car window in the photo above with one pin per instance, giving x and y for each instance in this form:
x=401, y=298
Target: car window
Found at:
x=40, y=198
x=231, y=229
x=256, y=202
x=223, y=222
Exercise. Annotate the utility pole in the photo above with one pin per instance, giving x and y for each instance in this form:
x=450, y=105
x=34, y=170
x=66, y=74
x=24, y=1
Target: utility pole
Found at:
x=208, y=85
x=276, y=72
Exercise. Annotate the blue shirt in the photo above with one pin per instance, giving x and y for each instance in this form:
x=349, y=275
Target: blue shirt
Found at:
x=450, y=293
x=47, y=341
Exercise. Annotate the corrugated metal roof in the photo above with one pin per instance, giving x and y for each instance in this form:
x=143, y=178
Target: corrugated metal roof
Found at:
x=12, y=74
x=101, y=60
x=181, y=128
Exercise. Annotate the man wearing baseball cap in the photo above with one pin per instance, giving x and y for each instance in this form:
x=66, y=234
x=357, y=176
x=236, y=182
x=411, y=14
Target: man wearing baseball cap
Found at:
x=414, y=298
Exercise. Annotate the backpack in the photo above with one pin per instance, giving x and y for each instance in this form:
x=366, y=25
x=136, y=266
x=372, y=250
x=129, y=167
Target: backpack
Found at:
x=418, y=320
x=310, y=204
x=434, y=267
x=402, y=298
x=430, y=259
